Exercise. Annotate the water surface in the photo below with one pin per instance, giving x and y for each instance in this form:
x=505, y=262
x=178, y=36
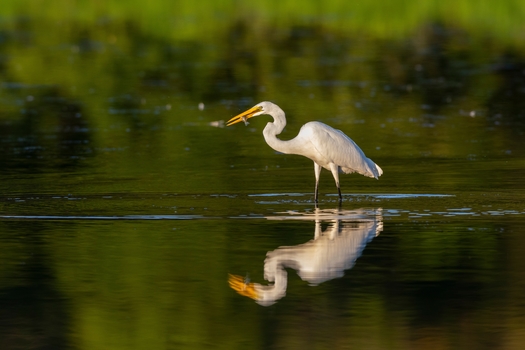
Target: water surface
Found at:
x=131, y=218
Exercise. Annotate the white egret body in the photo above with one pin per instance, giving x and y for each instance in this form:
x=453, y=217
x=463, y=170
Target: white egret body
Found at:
x=327, y=147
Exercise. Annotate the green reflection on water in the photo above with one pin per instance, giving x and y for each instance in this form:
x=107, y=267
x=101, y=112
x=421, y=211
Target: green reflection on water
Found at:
x=163, y=284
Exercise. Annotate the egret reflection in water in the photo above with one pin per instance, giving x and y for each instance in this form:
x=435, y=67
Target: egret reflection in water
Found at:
x=323, y=258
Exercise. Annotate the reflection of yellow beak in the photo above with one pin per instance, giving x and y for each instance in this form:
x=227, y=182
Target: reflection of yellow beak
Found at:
x=244, y=115
x=246, y=289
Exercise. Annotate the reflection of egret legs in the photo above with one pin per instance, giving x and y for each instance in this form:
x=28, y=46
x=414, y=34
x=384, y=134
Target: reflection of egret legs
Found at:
x=317, y=231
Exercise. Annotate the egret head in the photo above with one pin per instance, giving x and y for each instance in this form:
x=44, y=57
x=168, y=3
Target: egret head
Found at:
x=259, y=109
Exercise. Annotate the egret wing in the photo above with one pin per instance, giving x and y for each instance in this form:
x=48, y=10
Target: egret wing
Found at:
x=333, y=146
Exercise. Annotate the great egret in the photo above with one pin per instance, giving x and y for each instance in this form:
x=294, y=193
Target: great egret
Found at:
x=327, y=147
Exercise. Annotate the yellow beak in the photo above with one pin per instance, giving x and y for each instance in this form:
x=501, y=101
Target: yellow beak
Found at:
x=244, y=116
x=238, y=284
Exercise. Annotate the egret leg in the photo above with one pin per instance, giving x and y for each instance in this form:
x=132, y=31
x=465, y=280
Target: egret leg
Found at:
x=335, y=172
x=317, y=171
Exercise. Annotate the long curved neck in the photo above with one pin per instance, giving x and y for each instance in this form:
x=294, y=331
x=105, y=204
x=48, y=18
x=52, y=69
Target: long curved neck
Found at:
x=273, y=272
x=273, y=129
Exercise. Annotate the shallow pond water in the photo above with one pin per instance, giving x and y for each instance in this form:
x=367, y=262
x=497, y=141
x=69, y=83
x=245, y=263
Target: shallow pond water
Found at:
x=407, y=266
x=130, y=217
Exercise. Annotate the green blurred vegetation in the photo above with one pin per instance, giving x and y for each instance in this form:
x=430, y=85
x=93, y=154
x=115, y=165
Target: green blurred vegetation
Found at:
x=186, y=19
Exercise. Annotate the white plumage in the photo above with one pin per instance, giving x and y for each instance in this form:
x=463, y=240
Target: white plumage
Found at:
x=327, y=147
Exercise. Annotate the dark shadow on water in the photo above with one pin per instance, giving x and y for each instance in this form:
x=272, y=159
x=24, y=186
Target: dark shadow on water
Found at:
x=33, y=312
x=52, y=133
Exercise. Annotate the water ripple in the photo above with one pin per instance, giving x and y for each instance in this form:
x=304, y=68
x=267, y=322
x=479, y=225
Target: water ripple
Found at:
x=91, y=217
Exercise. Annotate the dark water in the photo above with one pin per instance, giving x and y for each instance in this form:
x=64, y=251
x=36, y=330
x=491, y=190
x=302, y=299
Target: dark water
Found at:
x=131, y=218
